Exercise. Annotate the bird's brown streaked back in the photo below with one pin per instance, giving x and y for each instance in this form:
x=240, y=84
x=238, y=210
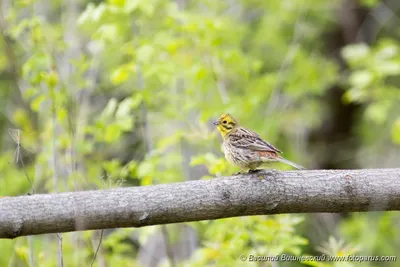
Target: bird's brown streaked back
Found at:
x=244, y=138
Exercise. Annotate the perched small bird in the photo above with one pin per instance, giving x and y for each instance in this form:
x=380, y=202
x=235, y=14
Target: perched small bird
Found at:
x=245, y=148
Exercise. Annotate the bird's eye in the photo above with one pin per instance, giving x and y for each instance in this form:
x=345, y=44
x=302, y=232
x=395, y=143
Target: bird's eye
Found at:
x=224, y=122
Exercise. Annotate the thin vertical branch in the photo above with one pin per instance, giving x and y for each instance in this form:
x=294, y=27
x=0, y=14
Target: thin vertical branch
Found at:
x=98, y=247
x=31, y=254
x=168, y=248
x=26, y=174
x=60, y=262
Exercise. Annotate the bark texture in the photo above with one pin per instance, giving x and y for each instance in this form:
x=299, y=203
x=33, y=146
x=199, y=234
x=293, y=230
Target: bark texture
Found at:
x=265, y=192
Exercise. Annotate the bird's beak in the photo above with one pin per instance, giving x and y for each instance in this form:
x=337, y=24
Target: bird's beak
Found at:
x=216, y=122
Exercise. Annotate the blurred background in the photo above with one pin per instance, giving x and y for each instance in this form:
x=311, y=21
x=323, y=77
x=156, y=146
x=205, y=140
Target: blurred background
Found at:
x=105, y=94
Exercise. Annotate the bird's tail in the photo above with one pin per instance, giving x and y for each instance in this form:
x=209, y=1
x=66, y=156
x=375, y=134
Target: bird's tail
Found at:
x=291, y=163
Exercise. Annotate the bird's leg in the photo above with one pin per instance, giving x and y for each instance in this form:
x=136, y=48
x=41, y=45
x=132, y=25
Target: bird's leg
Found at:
x=254, y=170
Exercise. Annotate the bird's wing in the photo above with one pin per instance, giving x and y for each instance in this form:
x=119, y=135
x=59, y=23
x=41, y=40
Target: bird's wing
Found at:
x=244, y=138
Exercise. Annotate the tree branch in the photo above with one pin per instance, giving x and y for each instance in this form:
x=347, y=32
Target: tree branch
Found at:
x=277, y=192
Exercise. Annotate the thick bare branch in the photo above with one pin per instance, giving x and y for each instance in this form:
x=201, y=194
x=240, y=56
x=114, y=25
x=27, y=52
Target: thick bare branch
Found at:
x=266, y=192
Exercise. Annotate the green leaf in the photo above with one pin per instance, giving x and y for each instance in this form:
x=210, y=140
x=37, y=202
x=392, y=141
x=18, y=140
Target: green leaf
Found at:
x=37, y=102
x=389, y=68
x=354, y=95
x=62, y=114
x=124, y=108
x=97, y=13
x=146, y=168
x=31, y=92
x=18, y=29
x=112, y=133
x=396, y=131
x=377, y=112
x=107, y=32
x=137, y=99
x=203, y=159
x=356, y=52
x=125, y=123
x=111, y=166
x=109, y=109
x=370, y=3
x=388, y=51
x=170, y=140
x=361, y=78
x=145, y=53
x=22, y=253
x=131, y=5
x=86, y=15
x=122, y=73
x=119, y=3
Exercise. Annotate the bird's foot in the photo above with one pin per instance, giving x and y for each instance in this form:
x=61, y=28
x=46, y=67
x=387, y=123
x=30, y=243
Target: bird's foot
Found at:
x=254, y=171
x=237, y=173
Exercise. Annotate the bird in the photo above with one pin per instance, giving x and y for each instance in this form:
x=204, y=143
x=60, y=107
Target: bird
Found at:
x=245, y=148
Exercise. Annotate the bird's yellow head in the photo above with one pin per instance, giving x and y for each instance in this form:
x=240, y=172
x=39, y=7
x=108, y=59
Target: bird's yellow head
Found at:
x=225, y=124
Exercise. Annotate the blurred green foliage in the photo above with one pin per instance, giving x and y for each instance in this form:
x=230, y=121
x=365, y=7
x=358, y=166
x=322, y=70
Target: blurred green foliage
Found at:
x=122, y=93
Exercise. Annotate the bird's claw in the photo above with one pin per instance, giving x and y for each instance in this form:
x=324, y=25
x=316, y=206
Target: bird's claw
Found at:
x=254, y=171
x=250, y=171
